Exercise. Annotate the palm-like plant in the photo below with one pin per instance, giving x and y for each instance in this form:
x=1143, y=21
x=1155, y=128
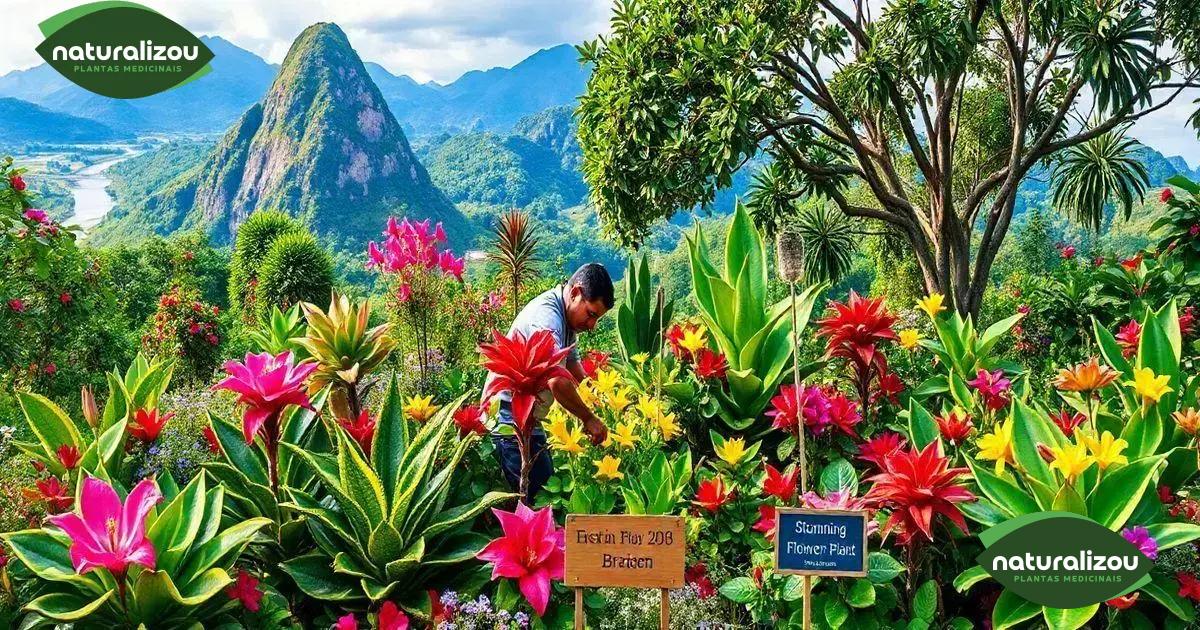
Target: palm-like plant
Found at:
x=829, y=241
x=515, y=250
x=1113, y=54
x=1089, y=173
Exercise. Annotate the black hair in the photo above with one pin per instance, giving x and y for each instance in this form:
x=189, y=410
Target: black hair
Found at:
x=594, y=282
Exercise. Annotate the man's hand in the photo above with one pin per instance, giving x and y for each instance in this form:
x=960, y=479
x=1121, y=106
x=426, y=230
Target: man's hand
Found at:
x=595, y=430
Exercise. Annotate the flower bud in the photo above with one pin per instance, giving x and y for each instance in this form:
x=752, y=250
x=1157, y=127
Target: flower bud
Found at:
x=90, y=412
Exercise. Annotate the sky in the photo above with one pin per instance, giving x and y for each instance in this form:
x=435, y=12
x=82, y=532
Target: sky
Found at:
x=436, y=40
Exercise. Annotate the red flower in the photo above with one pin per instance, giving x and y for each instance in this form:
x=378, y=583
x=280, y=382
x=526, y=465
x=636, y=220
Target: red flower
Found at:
x=38, y=467
x=780, y=485
x=64, y=298
x=362, y=430
x=392, y=618
x=266, y=384
x=993, y=387
x=17, y=305
x=1124, y=601
x=245, y=589
x=697, y=576
x=437, y=612
x=1132, y=264
x=1187, y=321
x=1129, y=337
x=593, y=361
x=1189, y=586
x=531, y=551
x=16, y=183
x=890, y=386
x=843, y=413
x=955, y=426
x=674, y=336
x=712, y=494
x=1165, y=496
x=710, y=365
x=51, y=368
x=57, y=496
x=69, y=456
x=766, y=521
x=793, y=401
x=3, y=558
x=210, y=437
x=469, y=420
x=1023, y=309
x=880, y=447
x=1067, y=421
x=1166, y=195
x=523, y=367
x=1067, y=252
x=147, y=424
x=853, y=329
x=917, y=485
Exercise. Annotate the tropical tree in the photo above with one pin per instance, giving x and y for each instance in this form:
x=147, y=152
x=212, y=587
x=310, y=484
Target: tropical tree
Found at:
x=925, y=116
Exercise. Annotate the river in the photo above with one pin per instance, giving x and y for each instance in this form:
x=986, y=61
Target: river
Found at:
x=88, y=188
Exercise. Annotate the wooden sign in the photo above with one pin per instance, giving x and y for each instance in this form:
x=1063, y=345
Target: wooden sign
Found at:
x=625, y=551
x=821, y=542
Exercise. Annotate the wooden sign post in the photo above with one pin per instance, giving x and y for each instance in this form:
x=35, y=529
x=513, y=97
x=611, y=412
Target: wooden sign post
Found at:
x=821, y=542
x=624, y=551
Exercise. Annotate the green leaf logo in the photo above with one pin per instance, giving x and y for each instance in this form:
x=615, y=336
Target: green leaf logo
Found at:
x=122, y=50
x=1062, y=560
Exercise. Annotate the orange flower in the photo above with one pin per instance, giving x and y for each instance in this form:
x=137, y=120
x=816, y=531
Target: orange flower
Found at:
x=1188, y=420
x=1085, y=377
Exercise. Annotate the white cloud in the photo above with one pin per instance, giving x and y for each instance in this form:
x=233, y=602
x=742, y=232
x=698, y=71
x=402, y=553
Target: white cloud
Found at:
x=426, y=39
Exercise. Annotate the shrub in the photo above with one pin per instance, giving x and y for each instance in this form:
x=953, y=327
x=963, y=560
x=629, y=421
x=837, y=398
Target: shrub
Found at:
x=254, y=240
x=184, y=329
x=296, y=269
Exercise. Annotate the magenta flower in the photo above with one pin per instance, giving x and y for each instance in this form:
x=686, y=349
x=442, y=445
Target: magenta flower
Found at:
x=994, y=388
x=37, y=216
x=106, y=534
x=413, y=245
x=266, y=385
x=789, y=405
x=17, y=305
x=840, y=500
x=531, y=551
x=1141, y=538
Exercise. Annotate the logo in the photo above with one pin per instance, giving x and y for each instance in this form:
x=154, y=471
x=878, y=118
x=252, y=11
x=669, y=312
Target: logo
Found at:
x=122, y=50
x=1062, y=560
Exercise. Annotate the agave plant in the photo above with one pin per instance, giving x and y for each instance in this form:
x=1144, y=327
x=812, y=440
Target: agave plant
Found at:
x=643, y=314
x=345, y=350
x=387, y=529
x=753, y=336
x=279, y=333
x=515, y=251
x=159, y=568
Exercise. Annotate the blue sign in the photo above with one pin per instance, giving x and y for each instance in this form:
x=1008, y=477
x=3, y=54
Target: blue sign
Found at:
x=821, y=542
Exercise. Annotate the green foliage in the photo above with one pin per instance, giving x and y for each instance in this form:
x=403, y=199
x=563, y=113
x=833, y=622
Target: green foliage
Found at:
x=658, y=487
x=278, y=333
x=295, y=269
x=254, y=240
x=1175, y=228
x=643, y=314
x=830, y=241
x=195, y=555
x=754, y=337
x=387, y=530
x=1088, y=174
x=186, y=330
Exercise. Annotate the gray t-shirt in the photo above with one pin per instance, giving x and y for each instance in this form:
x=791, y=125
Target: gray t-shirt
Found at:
x=547, y=311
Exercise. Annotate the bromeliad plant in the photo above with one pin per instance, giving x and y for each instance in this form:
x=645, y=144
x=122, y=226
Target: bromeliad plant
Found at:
x=753, y=337
x=387, y=529
x=344, y=349
x=123, y=564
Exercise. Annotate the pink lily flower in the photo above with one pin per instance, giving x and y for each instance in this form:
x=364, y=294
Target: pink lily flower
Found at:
x=106, y=534
x=531, y=551
x=266, y=385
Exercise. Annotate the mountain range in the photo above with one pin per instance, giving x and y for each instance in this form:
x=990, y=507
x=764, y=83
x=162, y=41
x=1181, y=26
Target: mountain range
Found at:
x=322, y=145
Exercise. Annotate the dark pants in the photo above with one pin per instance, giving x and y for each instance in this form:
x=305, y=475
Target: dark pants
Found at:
x=509, y=456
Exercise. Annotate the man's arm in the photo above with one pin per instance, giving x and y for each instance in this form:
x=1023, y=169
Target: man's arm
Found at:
x=566, y=393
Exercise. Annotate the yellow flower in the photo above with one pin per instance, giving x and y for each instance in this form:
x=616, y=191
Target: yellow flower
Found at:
x=1106, y=450
x=998, y=445
x=1148, y=385
x=619, y=400
x=1188, y=420
x=556, y=413
x=909, y=338
x=606, y=468
x=605, y=382
x=932, y=304
x=694, y=338
x=623, y=435
x=640, y=358
x=587, y=394
x=1071, y=460
x=669, y=427
x=564, y=437
x=732, y=451
x=420, y=409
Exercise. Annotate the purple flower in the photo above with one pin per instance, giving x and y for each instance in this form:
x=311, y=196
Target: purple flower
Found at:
x=1141, y=538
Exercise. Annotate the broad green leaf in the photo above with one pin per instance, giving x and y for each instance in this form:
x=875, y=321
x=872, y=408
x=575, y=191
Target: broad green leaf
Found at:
x=922, y=428
x=839, y=475
x=67, y=606
x=1006, y=495
x=861, y=594
x=1165, y=590
x=391, y=438
x=1119, y=492
x=49, y=422
x=925, y=601
x=313, y=573
x=883, y=568
x=1170, y=535
x=969, y=578
x=1068, y=618
x=359, y=482
x=1011, y=610
x=740, y=590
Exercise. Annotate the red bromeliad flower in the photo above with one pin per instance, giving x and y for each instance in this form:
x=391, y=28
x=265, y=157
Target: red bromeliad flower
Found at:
x=890, y=387
x=531, y=551
x=917, y=485
x=710, y=365
x=266, y=384
x=1123, y=602
x=362, y=430
x=523, y=367
x=245, y=589
x=1067, y=421
x=853, y=331
x=147, y=424
x=792, y=401
x=210, y=437
x=843, y=413
x=880, y=447
x=1128, y=337
x=766, y=521
x=712, y=494
x=68, y=456
x=1189, y=586
x=955, y=426
x=594, y=361
x=781, y=485
x=469, y=420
